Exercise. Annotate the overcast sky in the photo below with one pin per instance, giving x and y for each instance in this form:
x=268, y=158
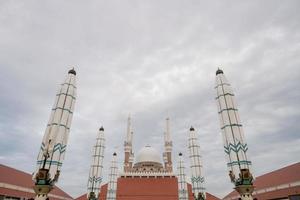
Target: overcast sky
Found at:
x=152, y=59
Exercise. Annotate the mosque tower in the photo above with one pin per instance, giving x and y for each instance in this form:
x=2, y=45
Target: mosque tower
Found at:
x=196, y=166
x=181, y=176
x=167, y=155
x=113, y=179
x=95, y=175
x=235, y=146
x=54, y=143
x=129, y=156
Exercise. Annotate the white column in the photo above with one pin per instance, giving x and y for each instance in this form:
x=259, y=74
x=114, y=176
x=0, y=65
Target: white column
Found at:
x=168, y=133
x=113, y=178
x=129, y=156
x=167, y=155
x=95, y=175
x=130, y=141
x=53, y=148
x=54, y=143
x=181, y=177
x=128, y=138
x=197, y=178
x=235, y=146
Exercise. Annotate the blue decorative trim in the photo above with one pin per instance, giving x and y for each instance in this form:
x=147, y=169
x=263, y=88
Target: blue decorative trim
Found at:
x=58, y=125
x=231, y=125
x=198, y=188
x=196, y=166
x=51, y=162
x=69, y=84
x=241, y=162
x=221, y=84
x=66, y=95
x=60, y=147
x=226, y=109
x=63, y=109
x=43, y=146
x=197, y=179
x=224, y=95
x=94, y=179
x=236, y=148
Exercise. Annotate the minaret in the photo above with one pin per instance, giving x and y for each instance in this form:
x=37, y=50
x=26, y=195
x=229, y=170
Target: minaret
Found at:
x=113, y=178
x=235, y=146
x=181, y=177
x=95, y=176
x=196, y=166
x=167, y=155
x=54, y=143
x=129, y=156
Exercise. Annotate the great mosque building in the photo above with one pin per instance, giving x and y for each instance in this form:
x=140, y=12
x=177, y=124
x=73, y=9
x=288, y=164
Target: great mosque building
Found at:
x=150, y=174
x=148, y=159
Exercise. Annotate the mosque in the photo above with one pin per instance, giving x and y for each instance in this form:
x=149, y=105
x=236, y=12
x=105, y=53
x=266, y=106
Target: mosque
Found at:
x=149, y=175
x=145, y=176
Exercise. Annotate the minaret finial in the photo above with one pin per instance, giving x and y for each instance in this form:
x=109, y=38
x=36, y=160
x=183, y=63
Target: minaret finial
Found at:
x=219, y=71
x=72, y=71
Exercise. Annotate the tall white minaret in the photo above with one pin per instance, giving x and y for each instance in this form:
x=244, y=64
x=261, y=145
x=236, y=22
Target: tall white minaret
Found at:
x=235, y=146
x=113, y=179
x=54, y=143
x=167, y=155
x=129, y=156
x=196, y=166
x=181, y=177
x=95, y=176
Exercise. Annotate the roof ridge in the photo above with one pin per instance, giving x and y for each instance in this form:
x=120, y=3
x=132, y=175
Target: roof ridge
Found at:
x=280, y=169
x=27, y=173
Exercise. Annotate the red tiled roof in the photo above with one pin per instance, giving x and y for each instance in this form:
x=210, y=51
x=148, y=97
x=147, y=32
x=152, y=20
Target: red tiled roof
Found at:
x=281, y=176
x=16, y=177
x=82, y=197
x=285, y=175
x=147, y=189
x=211, y=197
x=15, y=193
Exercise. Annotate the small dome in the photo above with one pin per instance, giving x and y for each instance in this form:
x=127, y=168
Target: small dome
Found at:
x=148, y=154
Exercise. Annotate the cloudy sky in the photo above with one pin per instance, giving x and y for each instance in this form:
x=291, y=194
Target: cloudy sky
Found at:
x=152, y=59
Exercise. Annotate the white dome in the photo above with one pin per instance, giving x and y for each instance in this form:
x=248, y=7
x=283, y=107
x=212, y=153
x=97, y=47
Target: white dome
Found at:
x=148, y=154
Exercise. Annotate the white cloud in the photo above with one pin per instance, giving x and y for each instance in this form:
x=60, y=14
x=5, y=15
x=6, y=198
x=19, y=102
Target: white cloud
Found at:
x=150, y=59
